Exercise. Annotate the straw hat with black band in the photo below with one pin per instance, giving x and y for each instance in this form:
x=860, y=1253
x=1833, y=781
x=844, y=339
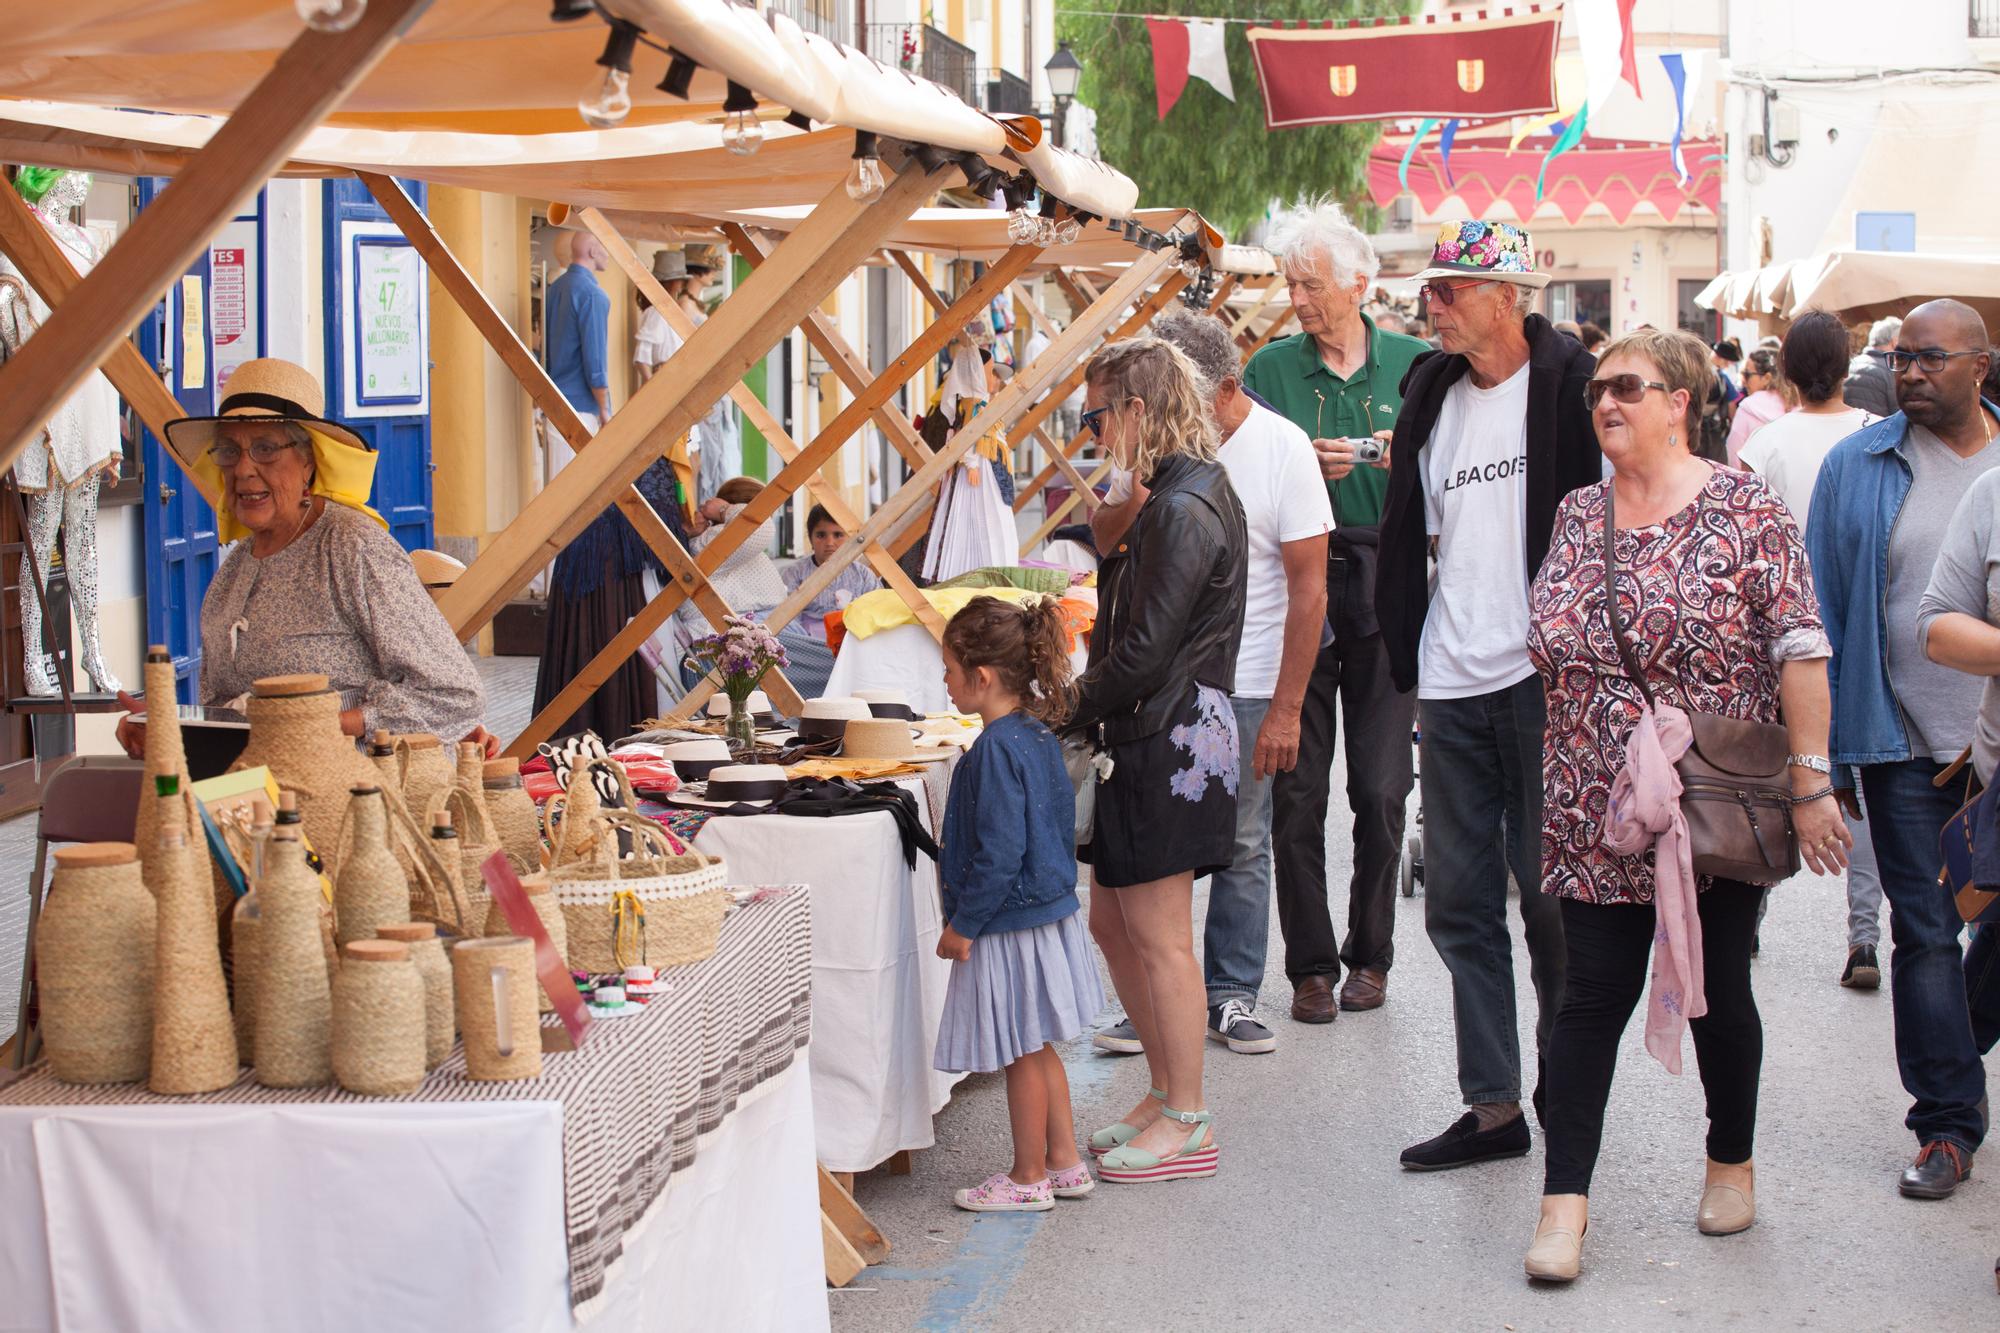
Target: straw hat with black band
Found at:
x=271, y=389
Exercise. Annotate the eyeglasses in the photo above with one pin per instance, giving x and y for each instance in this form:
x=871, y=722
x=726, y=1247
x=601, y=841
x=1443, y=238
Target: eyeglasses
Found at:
x=1624, y=388
x=1930, y=358
x=1444, y=296
x=262, y=451
x=1091, y=421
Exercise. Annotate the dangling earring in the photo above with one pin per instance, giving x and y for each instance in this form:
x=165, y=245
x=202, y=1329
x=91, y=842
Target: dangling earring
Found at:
x=1672, y=439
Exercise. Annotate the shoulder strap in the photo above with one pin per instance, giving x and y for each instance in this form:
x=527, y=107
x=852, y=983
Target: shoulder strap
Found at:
x=1632, y=670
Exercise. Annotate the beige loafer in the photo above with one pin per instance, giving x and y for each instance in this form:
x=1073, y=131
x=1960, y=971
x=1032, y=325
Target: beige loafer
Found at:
x=1556, y=1255
x=1725, y=1210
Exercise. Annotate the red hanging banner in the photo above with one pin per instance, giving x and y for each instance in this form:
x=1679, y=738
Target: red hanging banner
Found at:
x=1478, y=68
x=1170, y=61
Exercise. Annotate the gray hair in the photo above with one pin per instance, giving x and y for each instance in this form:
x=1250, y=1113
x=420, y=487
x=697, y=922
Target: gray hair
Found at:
x=1315, y=235
x=1883, y=332
x=1205, y=341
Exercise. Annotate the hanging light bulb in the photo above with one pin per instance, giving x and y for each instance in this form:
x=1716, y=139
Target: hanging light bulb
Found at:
x=742, y=132
x=864, y=178
x=607, y=98
x=1068, y=230
x=1021, y=227
x=331, y=15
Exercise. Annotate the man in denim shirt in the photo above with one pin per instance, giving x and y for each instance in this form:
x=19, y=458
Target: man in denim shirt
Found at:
x=1879, y=513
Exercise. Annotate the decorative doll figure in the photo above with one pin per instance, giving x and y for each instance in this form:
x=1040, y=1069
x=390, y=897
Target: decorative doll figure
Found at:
x=59, y=475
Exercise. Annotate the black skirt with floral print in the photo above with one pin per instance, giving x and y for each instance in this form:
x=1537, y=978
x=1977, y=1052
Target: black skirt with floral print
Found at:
x=1169, y=806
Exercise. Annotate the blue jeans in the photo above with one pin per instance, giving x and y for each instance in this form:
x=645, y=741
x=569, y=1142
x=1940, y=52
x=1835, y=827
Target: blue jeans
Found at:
x=1481, y=773
x=1927, y=974
x=1239, y=898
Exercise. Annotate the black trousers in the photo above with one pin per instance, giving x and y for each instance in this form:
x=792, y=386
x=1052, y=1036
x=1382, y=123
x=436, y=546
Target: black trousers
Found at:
x=1351, y=675
x=1609, y=948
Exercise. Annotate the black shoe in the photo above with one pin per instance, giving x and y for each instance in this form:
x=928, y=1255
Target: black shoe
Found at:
x=1940, y=1165
x=1465, y=1143
x=1756, y=944
x=1862, y=971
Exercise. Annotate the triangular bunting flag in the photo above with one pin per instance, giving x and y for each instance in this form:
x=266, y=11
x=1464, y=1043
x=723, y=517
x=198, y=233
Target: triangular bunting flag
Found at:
x=1677, y=76
x=1208, y=58
x=1170, y=61
x=1571, y=136
x=1445, y=141
x=1628, y=55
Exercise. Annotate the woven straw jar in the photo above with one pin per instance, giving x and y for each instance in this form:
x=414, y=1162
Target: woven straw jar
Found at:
x=426, y=772
x=512, y=810
x=293, y=996
x=295, y=732
x=245, y=922
x=94, y=961
x=165, y=755
x=378, y=1020
x=427, y=955
x=494, y=983
x=194, y=1039
x=541, y=896
x=370, y=890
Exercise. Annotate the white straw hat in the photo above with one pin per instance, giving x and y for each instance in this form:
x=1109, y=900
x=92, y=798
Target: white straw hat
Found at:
x=694, y=760
x=827, y=718
x=887, y=703
x=735, y=784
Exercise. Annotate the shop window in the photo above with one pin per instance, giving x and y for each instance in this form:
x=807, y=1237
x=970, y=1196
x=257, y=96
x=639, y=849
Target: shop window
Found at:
x=1703, y=324
x=1584, y=302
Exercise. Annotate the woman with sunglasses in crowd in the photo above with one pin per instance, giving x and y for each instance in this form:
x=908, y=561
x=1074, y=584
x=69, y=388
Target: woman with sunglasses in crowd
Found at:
x=1716, y=607
x=1154, y=707
x=1768, y=395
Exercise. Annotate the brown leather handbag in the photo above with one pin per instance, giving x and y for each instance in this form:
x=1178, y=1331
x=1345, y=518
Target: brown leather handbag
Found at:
x=1736, y=793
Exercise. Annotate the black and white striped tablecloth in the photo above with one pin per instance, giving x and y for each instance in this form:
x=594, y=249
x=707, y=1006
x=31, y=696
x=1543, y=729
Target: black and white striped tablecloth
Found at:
x=635, y=1099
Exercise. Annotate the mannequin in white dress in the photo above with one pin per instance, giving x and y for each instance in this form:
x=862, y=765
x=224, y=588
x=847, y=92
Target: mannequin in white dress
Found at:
x=79, y=448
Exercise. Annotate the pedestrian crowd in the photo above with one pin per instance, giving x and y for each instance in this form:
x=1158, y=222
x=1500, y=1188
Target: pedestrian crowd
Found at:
x=1669, y=624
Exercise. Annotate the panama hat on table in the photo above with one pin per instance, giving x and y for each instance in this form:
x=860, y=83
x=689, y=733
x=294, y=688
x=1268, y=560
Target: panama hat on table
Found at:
x=885, y=738
x=1498, y=251
x=734, y=784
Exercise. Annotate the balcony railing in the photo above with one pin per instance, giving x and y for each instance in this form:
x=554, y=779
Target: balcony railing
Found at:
x=831, y=19
x=1006, y=93
x=925, y=51
x=1983, y=17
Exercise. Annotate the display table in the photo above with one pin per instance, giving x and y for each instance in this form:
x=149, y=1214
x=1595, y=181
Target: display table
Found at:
x=877, y=982
x=662, y=1177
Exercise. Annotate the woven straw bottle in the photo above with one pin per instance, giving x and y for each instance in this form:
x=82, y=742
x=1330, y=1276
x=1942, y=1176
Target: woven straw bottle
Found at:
x=295, y=732
x=294, y=997
x=444, y=841
x=194, y=1039
x=94, y=961
x=493, y=981
x=165, y=755
x=245, y=922
x=378, y=1020
x=541, y=896
x=388, y=764
x=427, y=954
x=513, y=813
x=370, y=890
x=426, y=773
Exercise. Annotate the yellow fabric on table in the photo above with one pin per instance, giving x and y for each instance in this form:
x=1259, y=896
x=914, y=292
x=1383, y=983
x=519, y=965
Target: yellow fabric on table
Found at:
x=860, y=770
x=873, y=612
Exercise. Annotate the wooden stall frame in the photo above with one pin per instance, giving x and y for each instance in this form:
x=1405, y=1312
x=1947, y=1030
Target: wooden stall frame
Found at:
x=1284, y=317
x=838, y=234
x=1268, y=294
x=779, y=491
x=919, y=492
x=309, y=79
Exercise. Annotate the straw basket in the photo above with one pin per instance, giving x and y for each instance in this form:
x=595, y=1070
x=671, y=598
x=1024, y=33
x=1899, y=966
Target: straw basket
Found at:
x=94, y=959
x=295, y=732
x=378, y=1020
x=427, y=952
x=660, y=905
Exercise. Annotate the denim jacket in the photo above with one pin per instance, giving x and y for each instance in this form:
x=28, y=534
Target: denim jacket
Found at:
x=1856, y=501
x=1009, y=860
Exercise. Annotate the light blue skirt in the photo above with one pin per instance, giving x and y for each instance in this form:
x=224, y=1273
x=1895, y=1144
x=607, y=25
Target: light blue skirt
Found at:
x=1021, y=990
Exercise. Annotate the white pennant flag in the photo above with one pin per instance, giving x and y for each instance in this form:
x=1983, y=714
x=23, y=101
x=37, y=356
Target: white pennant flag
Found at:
x=1208, y=59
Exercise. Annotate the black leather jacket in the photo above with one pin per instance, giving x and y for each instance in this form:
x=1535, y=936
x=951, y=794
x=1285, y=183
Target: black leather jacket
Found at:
x=1170, y=604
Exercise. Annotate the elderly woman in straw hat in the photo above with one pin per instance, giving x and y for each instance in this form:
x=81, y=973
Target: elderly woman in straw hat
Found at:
x=314, y=582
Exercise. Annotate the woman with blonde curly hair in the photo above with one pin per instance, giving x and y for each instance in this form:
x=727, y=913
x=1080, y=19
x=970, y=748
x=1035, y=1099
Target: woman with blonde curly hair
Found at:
x=1154, y=705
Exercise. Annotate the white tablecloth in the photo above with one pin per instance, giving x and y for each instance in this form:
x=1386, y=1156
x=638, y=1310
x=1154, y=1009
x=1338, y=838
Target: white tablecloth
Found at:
x=389, y=1216
x=877, y=982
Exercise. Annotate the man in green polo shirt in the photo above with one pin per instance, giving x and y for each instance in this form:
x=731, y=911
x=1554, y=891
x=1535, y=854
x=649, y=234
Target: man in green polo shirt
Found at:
x=1338, y=381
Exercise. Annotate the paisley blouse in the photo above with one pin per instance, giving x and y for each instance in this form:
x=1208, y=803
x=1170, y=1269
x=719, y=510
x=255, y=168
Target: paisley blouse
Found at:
x=1712, y=600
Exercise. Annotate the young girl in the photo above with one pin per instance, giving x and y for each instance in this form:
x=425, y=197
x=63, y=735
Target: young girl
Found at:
x=1024, y=974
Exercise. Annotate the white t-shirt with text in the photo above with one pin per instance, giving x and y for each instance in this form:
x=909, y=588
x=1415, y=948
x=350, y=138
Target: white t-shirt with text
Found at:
x=1475, y=480
x=1275, y=475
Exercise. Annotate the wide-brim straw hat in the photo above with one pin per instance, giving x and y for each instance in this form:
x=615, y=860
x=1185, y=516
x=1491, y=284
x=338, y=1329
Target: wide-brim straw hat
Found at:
x=702, y=259
x=1473, y=248
x=735, y=784
x=271, y=388
x=757, y=704
x=826, y=718
x=435, y=569
x=693, y=761
x=888, y=703
x=885, y=738
x=670, y=266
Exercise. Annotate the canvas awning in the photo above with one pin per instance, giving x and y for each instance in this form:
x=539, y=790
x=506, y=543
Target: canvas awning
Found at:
x=1856, y=285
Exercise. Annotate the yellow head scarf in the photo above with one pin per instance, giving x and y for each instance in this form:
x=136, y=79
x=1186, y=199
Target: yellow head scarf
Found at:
x=341, y=473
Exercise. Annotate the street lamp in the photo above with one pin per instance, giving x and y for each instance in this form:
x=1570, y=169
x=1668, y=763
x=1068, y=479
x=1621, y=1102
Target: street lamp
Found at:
x=1064, y=72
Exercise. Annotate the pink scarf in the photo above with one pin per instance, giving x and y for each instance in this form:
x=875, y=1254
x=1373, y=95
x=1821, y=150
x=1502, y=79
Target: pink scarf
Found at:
x=1646, y=805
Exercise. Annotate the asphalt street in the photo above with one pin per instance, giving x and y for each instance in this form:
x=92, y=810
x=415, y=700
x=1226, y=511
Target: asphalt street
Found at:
x=1312, y=1224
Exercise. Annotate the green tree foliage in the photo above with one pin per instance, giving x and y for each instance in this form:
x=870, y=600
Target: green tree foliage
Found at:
x=1209, y=154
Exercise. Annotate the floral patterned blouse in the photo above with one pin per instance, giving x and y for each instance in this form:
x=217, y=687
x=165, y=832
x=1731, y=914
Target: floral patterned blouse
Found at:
x=1712, y=600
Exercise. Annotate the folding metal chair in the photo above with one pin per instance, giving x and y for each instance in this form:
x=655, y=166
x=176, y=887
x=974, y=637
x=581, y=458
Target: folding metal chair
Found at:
x=91, y=799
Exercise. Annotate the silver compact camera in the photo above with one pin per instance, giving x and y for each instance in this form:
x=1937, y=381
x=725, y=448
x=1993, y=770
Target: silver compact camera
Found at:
x=1367, y=451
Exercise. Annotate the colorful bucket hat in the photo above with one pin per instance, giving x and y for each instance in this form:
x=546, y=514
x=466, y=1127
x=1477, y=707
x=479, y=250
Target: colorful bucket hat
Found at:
x=1480, y=249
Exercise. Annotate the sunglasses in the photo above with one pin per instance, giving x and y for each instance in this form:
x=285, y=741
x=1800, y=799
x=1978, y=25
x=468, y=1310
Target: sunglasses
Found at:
x=1624, y=388
x=262, y=451
x=1093, y=419
x=1930, y=358
x=1444, y=296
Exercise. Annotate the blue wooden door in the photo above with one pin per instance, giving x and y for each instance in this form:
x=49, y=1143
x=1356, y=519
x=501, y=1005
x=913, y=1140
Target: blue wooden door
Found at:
x=181, y=545
x=402, y=492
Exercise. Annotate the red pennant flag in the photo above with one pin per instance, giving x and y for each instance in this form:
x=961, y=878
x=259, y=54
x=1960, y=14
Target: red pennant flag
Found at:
x=1170, y=61
x=1427, y=67
x=1628, y=55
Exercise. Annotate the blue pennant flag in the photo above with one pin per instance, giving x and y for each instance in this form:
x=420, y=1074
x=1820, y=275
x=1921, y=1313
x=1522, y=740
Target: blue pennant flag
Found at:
x=1403, y=171
x=1677, y=76
x=1445, y=141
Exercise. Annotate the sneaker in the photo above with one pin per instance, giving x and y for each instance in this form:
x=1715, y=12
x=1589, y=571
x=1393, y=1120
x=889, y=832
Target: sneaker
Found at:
x=1073, y=1183
x=1862, y=971
x=1121, y=1038
x=1465, y=1143
x=1230, y=1023
x=999, y=1193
